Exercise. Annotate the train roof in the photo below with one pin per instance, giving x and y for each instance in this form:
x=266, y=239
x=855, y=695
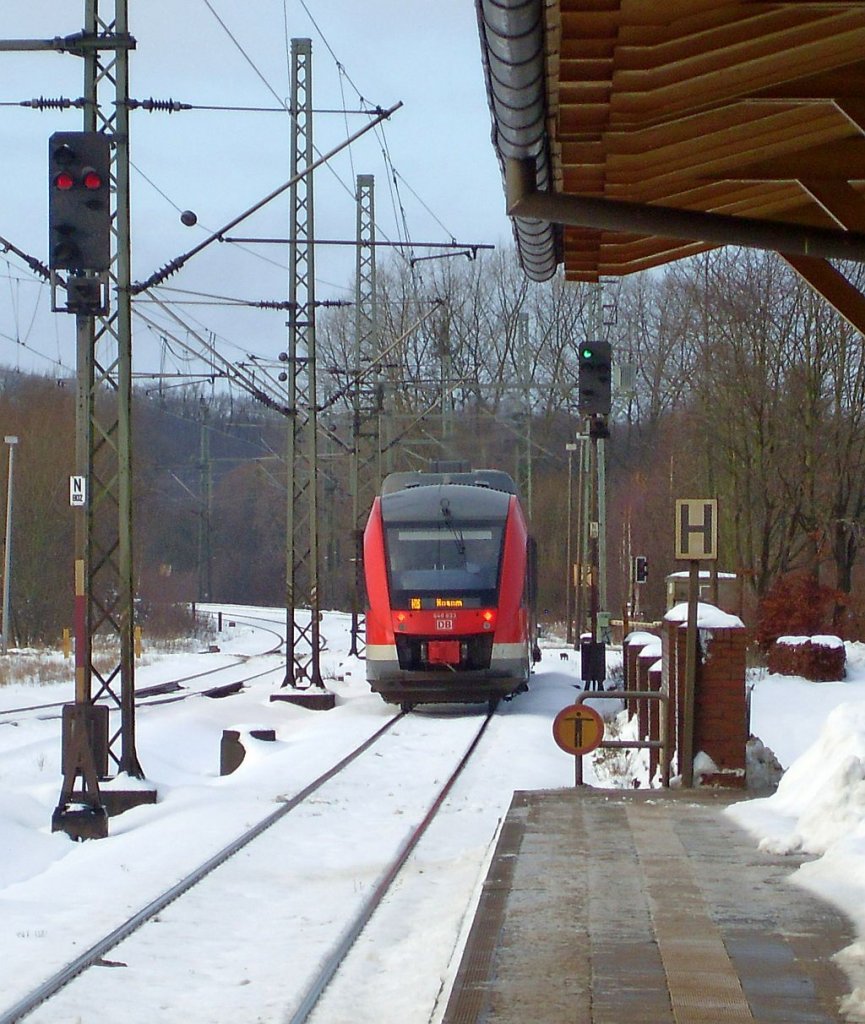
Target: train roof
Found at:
x=467, y=496
x=491, y=479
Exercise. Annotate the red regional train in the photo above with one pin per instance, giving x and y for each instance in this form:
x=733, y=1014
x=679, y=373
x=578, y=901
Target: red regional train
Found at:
x=450, y=578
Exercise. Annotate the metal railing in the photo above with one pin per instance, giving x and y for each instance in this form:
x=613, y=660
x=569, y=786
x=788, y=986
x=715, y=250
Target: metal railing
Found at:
x=661, y=744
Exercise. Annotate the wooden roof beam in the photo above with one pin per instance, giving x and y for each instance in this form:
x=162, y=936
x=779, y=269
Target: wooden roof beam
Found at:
x=524, y=200
x=845, y=81
x=829, y=282
x=843, y=159
x=701, y=81
x=854, y=111
x=744, y=30
x=840, y=200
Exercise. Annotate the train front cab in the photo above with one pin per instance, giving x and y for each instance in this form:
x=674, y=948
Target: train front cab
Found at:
x=448, y=616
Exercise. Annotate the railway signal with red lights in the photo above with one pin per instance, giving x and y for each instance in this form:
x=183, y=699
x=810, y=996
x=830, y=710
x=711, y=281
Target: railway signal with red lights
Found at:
x=79, y=201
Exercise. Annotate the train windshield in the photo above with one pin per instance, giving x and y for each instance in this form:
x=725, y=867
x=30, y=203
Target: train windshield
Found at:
x=445, y=564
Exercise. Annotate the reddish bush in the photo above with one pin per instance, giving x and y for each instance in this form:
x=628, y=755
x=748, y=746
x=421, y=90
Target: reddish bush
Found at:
x=811, y=659
x=797, y=605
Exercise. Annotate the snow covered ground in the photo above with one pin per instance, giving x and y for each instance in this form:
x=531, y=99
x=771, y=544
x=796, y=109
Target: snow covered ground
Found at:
x=817, y=731
x=56, y=897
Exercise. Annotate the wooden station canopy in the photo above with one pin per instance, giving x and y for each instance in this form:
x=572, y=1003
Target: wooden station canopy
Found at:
x=636, y=132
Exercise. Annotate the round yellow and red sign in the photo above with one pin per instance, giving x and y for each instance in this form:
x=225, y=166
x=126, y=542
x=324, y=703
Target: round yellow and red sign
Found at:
x=578, y=729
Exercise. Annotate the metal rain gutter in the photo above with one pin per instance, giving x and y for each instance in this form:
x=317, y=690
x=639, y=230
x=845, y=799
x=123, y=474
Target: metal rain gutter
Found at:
x=512, y=48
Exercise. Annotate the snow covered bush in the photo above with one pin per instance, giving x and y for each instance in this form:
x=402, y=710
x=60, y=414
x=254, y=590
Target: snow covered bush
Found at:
x=818, y=658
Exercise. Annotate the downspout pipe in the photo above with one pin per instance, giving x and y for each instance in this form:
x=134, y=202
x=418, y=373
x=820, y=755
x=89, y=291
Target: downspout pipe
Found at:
x=512, y=49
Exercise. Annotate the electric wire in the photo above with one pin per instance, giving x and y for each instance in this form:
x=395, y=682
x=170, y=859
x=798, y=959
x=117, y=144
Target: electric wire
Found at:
x=233, y=370
x=344, y=75
x=380, y=131
x=233, y=109
x=341, y=77
x=398, y=176
x=244, y=248
x=280, y=99
x=400, y=216
x=245, y=55
x=403, y=233
x=23, y=342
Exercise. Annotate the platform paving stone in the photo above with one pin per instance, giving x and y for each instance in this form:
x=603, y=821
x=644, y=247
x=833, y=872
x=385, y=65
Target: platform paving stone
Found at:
x=644, y=907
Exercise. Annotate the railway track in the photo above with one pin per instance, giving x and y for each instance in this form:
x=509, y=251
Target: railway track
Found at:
x=170, y=690
x=340, y=841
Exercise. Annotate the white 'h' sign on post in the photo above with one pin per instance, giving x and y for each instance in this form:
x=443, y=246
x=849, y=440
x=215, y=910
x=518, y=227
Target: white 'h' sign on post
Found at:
x=697, y=529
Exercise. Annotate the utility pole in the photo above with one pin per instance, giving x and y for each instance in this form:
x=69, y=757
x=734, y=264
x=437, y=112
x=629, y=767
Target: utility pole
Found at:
x=595, y=384
x=367, y=399
x=205, y=497
x=11, y=440
x=446, y=383
x=603, y=610
x=602, y=622
x=582, y=564
x=525, y=364
x=103, y=520
x=569, y=557
x=303, y=640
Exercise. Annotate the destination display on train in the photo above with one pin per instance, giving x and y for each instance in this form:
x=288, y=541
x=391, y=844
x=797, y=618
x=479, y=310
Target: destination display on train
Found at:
x=437, y=602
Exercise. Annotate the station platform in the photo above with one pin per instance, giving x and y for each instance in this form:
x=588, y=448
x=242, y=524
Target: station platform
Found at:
x=644, y=907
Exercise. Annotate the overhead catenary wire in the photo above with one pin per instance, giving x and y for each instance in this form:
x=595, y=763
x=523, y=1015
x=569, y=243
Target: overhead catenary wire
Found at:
x=250, y=251
x=376, y=114
x=281, y=106
x=247, y=58
x=233, y=373
x=21, y=339
x=399, y=210
x=210, y=299
x=280, y=99
x=179, y=261
x=237, y=373
x=393, y=176
x=172, y=106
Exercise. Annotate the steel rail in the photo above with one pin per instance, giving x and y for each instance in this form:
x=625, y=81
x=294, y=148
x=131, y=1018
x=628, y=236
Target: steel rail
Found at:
x=96, y=952
x=141, y=695
x=354, y=929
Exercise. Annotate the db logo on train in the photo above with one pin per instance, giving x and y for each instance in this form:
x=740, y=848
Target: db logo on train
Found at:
x=445, y=624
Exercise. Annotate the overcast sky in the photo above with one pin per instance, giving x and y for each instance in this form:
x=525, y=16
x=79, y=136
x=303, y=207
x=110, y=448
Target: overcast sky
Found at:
x=218, y=163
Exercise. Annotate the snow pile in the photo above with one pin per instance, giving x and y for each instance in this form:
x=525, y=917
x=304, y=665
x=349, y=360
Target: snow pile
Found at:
x=764, y=770
x=708, y=616
x=816, y=641
x=819, y=807
x=821, y=799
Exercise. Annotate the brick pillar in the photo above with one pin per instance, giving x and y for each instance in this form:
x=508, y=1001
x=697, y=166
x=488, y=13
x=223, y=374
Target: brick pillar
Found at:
x=631, y=650
x=655, y=710
x=720, y=712
x=673, y=670
x=648, y=655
